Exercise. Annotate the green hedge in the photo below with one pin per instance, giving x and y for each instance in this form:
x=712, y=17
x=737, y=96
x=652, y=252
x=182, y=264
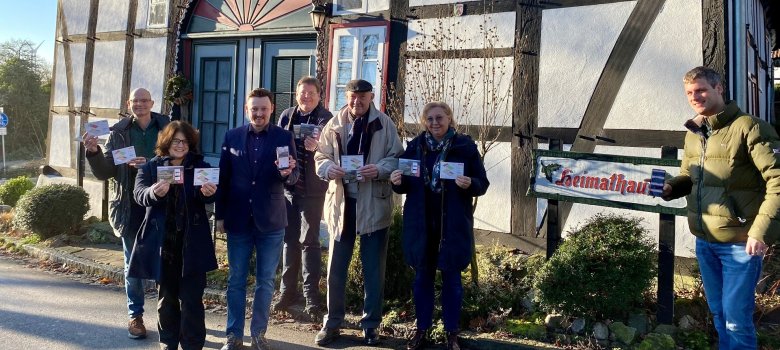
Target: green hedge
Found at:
x=13, y=189
x=51, y=210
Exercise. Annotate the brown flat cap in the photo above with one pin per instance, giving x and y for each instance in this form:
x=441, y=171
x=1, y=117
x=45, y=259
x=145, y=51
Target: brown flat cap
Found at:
x=359, y=85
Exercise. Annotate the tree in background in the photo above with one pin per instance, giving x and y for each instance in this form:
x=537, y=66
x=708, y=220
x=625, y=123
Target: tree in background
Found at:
x=25, y=88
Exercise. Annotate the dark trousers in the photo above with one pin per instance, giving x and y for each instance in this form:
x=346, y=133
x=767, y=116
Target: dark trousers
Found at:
x=451, y=297
x=302, y=245
x=181, y=317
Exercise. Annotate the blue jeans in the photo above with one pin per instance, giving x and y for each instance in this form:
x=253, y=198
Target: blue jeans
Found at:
x=134, y=287
x=730, y=276
x=373, y=254
x=451, y=297
x=268, y=247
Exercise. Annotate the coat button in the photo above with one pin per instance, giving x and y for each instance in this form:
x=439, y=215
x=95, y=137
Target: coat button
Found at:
x=253, y=183
x=250, y=201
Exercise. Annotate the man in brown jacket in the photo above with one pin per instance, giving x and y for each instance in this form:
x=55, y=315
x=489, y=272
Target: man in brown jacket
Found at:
x=730, y=174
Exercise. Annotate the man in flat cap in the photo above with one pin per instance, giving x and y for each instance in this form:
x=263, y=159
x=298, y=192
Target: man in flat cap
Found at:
x=358, y=203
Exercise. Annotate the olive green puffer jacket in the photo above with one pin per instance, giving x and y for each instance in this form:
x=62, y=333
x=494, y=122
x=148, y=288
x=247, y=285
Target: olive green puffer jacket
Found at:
x=732, y=179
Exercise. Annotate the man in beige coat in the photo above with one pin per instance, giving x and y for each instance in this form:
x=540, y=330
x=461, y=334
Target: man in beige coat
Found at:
x=357, y=203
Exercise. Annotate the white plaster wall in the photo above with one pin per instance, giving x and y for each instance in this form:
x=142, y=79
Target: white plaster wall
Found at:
x=149, y=68
x=107, y=74
x=76, y=13
x=652, y=96
x=59, y=143
x=494, y=210
x=61, y=79
x=575, y=45
x=112, y=15
x=378, y=5
x=461, y=88
x=469, y=32
x=684, y=240
x=142, y=14
x=435, y=2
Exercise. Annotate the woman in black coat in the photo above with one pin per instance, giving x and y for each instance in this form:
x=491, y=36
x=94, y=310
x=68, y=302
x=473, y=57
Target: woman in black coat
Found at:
x=174, y=245
x=438, y=220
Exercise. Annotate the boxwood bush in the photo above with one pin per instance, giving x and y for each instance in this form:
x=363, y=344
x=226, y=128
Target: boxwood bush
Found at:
x=13, y=189
x=601, y=270
x=51, y=210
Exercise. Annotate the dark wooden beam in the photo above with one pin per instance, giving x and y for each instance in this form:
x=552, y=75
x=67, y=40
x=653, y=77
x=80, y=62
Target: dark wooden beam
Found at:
x=86, y=86
x=127, y=74
x=120, y=35
x=457, y=54
x=714, y=39
x=616, y=137
x=553, y=4
x=469, y=9
x=525, y=90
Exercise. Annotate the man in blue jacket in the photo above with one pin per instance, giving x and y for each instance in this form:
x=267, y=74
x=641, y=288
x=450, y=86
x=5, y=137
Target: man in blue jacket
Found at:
x=251, y=209
x=304, y=201
x=125, y=215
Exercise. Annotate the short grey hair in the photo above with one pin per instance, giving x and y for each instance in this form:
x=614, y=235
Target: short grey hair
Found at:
x=702, y=72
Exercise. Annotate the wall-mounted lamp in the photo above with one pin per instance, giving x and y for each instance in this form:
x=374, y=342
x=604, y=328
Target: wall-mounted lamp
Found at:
x=318, y=15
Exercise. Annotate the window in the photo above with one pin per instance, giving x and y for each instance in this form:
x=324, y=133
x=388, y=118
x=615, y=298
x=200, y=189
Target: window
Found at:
x=158, y=14
x=358, y=53
x=346, y=7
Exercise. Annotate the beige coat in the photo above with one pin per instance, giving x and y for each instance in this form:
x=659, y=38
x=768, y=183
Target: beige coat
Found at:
x=375, y=197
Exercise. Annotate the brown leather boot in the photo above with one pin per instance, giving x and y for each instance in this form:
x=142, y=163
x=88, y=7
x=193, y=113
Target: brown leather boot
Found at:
x=136, y=329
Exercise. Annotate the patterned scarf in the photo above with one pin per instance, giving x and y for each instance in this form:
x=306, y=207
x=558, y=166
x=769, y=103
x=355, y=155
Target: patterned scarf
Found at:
x=443, y=146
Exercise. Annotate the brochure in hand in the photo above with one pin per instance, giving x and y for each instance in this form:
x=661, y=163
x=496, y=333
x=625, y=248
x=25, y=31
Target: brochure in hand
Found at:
x=450, y=170
x=203, y=175
x=351, y=164
x=123, y=155
x=310, y=130
x=283, y=157
x=96, y=128
x=409, y=167
x=173, y=174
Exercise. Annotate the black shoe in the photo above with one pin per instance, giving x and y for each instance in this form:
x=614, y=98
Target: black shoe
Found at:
x=326, y=336
x=233, y=343
x=452, y=341
x=370, y=337
x=284, y=302
x=260, y=343
x=418, y=340
x=313, y=309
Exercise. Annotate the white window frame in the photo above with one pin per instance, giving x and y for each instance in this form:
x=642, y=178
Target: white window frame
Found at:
x=357, y=33
x=337, y=6
x=151, y=3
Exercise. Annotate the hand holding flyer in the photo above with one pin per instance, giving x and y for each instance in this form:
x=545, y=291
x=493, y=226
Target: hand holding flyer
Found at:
x=409, y=167
x=283, y=157
x=96, y=128
x=310, y=130
x=351, y=164
x=204, y=175
x=450, y=170
x=172, y=174
x=123, y=155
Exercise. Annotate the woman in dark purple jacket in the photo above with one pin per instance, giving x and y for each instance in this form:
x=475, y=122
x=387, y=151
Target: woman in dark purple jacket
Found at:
x=438, y=220
x=174, y=245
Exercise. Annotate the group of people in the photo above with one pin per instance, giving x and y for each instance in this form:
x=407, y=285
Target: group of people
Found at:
x=272, y=206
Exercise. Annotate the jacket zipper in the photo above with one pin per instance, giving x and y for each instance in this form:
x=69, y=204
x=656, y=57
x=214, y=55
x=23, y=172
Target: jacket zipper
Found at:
x=699, y=185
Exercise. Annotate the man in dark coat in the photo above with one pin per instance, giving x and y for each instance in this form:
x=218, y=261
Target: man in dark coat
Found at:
x=125, y=215
x=252, y=210
x=304, y=200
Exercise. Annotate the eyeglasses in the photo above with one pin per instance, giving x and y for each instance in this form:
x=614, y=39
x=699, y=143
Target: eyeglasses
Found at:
x=438, y=119
x=176, y=142
x=141, y=100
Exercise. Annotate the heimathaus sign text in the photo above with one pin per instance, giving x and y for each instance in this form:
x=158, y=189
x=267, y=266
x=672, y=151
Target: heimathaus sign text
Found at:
x=600, y=179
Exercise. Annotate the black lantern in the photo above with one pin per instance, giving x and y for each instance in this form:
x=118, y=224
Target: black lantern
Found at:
x=318, y=14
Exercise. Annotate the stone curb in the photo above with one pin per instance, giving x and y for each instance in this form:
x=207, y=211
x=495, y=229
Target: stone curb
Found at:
x=101, y=270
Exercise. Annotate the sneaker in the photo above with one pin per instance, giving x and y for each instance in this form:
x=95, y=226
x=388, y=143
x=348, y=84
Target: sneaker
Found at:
x=418, y=340
x=326, y=336
x=260, y=343
x=452, y=341
x=233, y=343
x=135, y=328
x=284, y=302
x=370, y=337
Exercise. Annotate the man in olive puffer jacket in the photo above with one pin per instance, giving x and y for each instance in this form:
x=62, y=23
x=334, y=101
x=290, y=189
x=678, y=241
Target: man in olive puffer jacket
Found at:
x=730, y=174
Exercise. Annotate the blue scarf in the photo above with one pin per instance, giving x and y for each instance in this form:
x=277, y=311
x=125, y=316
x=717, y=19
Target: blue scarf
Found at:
x=443, y=146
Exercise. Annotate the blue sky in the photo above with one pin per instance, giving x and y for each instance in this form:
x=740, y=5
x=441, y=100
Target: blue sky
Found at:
x=33, y=20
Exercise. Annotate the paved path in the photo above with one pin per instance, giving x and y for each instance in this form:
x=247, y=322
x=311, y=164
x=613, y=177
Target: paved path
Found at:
x=45, y=310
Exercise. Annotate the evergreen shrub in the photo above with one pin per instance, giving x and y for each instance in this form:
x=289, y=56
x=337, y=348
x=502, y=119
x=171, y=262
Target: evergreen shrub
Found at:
x=51, y=210
x=601, y=270
x=13, y=189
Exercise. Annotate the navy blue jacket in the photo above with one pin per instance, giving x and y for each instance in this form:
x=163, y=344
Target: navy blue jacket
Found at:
x=309, y=184
x=198, y=252
x=262, y=194
x=457, y=236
